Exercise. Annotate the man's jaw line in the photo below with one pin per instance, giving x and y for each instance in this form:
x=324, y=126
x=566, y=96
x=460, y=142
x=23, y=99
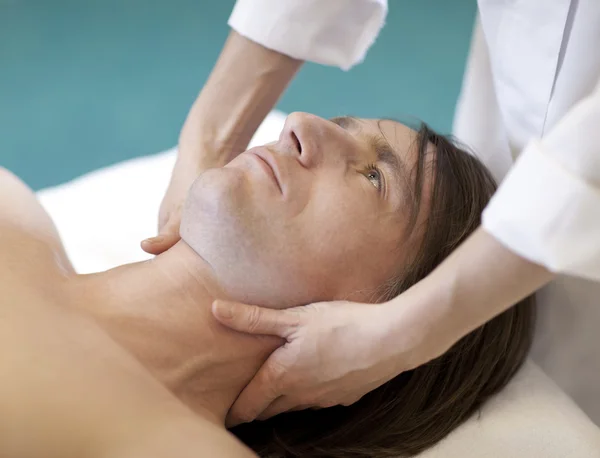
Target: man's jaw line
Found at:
x=192, y=269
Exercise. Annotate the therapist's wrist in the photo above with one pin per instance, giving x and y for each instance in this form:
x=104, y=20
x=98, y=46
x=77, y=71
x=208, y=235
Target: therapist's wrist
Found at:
x=205, y=147
x=243, y=87
x=478, y=281
x=417, y=325
x=205, y=155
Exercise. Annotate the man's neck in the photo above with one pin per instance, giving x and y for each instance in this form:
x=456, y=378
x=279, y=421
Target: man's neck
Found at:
x=159, y=311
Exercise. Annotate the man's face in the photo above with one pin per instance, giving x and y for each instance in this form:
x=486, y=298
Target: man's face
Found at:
x=321, y=214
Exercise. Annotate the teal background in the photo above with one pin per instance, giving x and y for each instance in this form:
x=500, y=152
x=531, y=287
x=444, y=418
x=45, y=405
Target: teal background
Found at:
x=84, y=84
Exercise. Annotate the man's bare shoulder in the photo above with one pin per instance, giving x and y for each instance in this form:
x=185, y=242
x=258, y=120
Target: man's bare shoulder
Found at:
x=28, y=236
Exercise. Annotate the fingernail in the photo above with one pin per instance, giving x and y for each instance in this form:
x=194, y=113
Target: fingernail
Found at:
x=223, y=309
x=153, y=240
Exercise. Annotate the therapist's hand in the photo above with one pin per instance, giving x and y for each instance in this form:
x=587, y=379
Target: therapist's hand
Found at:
x=335, y=352
x=186, y=170
x=243, y=87
x=338, y=351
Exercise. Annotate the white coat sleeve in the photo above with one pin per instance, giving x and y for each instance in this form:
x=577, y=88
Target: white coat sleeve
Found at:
x=330, y=32
x=548, y=207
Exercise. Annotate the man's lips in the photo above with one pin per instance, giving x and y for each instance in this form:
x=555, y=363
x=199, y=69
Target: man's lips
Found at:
x=267, y=162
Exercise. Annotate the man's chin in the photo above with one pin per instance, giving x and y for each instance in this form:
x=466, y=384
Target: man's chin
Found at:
x=215, y=186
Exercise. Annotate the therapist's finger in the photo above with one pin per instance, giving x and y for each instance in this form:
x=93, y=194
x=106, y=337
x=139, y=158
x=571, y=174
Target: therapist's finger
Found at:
x=169, y=236
x=256, y=320
x=257, y=396
x=160, y=243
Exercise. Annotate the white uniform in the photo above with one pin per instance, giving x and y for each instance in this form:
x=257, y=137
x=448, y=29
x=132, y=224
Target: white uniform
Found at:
x=531, y=70
x=528, y=93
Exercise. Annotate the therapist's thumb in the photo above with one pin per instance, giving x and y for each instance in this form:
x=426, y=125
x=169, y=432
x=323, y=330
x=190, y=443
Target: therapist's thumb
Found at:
x=255, y=320
x=168, y=236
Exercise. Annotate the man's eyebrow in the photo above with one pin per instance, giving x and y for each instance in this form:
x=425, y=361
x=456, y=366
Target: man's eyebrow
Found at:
x=385, y=154
x=400, y=172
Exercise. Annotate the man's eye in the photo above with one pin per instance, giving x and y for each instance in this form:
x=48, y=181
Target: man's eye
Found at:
x=374, y=176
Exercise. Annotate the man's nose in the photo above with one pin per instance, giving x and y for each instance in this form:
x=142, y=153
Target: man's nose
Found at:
x=302, y=137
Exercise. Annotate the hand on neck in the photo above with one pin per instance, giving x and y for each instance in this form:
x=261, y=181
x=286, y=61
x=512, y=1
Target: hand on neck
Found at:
x=159, y=311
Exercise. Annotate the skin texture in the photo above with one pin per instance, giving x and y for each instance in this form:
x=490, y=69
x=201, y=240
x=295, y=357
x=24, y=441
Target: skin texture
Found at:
x=151, y=322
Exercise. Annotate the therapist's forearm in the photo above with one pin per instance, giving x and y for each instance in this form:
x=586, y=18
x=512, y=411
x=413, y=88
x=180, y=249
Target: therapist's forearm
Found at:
x=475, y=283
x=243, y=87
